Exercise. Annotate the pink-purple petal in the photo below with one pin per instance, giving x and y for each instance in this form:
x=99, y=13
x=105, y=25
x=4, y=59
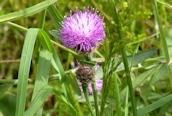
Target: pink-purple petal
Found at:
x=82, y=30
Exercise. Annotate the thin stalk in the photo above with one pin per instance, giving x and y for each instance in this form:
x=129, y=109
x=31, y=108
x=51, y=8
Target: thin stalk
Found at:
x=95, y=98
x=141, y=40
x=85, y=90
x=4, y=81
x=88, y=58
x=64, y=48
x=18, y=26
x=129, y=81
x=14, y=81
x=117, y=96
x=126, y=104
x=124, y=56
x=163, y=40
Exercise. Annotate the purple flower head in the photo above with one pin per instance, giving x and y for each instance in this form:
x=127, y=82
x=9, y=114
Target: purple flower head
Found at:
x=99, y=84
x=82, y=30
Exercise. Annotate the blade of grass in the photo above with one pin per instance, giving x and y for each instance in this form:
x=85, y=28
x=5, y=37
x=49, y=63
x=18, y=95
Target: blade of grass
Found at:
x=95, y=98
x=138, y=58
x=117, y=96
x=46, y=43
x=44, y=65
x=124, y=56
x=42, y=20
x=163, y=40
x=126, y=103
x=55, y=16
x=85, y=90
x=5, y=87
x=26, y=12
x=154, y=105
x=24, y=70
x=38, y=100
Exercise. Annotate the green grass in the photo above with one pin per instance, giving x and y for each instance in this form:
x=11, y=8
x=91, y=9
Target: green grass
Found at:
x=37, y=73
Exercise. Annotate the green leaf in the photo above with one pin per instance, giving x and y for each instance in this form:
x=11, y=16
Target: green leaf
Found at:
x=143, y=77
x=26, y=12
x=139, y=80
x=138, y=58
x=44, y=65
x=91, y=63
x=159, y=74
x=55, y=16
x=7, y=104
x=98, y=73
x=39, y=100
x=169, y=42
x=4, y=88
x=46, y=43
x=155, y=105
x=24, y=70
x=55, y=34
x=74, y=83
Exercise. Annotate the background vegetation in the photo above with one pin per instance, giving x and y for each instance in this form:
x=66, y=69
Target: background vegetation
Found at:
x=52, y=88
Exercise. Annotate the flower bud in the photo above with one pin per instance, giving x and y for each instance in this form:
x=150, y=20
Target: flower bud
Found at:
x=85, y=74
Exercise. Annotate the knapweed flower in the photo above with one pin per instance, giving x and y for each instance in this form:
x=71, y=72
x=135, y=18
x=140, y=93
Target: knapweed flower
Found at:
x=85, y=75
x=82, y=30
x=99, y=85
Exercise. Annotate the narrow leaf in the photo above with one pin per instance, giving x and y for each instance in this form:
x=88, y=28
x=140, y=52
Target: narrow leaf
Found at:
x=138, y=58
x=44, y=65
x=55, y=16
x=39, y=100
x=24, y=70
x=4, y=88
x=26, y=12
x=155, y=105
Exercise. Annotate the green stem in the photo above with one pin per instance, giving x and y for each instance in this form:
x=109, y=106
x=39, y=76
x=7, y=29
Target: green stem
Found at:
x=126, y=104
x=117, y=96
x=85, y=89
x=163, y=40
x=18, y=26
x=95, y=98
x=64, y=48
x=4, y=81
x=88, y=58
x=124, y=56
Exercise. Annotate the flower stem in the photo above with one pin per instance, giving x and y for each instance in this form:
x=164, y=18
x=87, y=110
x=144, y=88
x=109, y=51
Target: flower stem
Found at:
x=88, y=58
x=64, y=48
x=85, y=89
x=163, y=40
x=18, y=26
x=95, y=98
